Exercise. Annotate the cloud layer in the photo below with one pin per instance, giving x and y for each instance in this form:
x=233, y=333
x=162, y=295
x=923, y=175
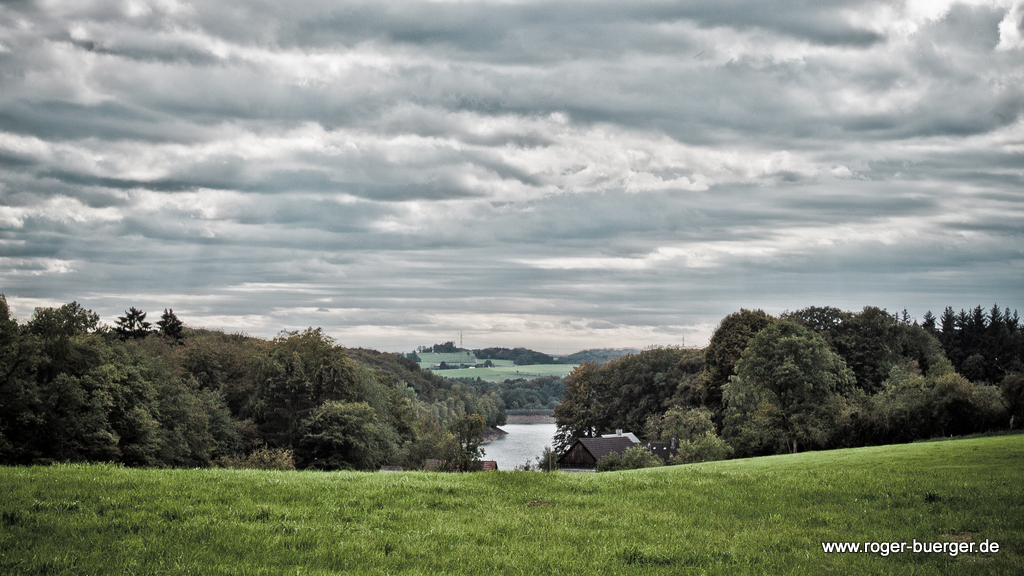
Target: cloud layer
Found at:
x=555, y=175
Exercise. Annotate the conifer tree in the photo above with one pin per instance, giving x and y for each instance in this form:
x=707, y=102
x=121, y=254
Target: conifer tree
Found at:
x=133, y=325
x=170, y=326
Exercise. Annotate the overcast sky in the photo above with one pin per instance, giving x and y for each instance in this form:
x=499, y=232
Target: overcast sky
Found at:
x=556, y=175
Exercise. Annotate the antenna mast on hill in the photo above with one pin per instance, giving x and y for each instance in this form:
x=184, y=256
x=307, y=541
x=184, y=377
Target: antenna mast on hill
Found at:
x=460, y=338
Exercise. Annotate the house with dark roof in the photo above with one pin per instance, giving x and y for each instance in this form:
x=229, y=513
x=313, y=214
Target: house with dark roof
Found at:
x=619, y=432
x=585, y=453
x=663, y=450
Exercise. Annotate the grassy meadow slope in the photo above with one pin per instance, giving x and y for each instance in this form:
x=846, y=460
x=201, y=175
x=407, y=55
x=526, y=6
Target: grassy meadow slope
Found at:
x=754, y=516
x=502, y=373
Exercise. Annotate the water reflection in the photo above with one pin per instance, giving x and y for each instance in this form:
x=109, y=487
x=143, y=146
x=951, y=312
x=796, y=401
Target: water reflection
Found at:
x=524, y=442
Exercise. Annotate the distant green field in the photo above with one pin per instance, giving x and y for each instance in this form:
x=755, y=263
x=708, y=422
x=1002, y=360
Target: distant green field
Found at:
x=755, y=516
x=501, y=373
x=500, y=362
x=428, y=359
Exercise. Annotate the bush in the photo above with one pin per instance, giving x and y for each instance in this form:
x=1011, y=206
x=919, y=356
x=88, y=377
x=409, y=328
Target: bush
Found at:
x=610, y=463
x=912, y=406
x=347, y=435
x=960, y=407
x=702, y=449
x=262, y=459
x=1013, y=395
x=548, y=460
x=632, y=458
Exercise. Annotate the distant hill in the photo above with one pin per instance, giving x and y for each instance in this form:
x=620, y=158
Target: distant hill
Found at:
x=525, y=356
x=521, y=356
x=431, y=356
x=599, y=355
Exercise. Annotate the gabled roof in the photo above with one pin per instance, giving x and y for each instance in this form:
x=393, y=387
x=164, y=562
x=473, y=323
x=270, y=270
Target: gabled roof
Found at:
x=601, y=447
x=629, y=435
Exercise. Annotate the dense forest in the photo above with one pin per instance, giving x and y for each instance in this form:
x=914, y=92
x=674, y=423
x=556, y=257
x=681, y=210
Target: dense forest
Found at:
x=812, y=379
x=163, y=394
x=542, y=393
x=72, y=389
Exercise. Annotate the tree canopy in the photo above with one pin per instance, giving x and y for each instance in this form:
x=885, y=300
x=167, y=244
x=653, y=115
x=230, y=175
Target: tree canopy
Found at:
x=72, y=390
x=788, y=387
x=625, y=392
x=727, y=344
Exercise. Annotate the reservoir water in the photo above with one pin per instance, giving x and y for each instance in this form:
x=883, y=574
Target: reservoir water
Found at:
x=524, y=442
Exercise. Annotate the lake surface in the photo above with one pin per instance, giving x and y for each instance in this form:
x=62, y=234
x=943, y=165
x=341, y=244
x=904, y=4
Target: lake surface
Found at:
x=523, y=442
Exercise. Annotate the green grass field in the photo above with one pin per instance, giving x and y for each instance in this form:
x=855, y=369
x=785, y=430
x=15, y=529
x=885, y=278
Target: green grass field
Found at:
x=756, y=516
x=510, y=372
x=428, y=359
x=497, y=363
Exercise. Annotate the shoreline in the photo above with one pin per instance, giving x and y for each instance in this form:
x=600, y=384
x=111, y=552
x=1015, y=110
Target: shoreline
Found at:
x=493, y=433
x=529, y=419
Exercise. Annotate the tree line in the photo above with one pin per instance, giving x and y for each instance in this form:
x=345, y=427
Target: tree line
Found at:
x=525, y=356
x=139, y=394
x=816, y=378
x=542, y=393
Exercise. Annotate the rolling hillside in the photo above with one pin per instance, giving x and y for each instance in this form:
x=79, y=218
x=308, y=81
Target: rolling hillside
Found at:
x=754, y=516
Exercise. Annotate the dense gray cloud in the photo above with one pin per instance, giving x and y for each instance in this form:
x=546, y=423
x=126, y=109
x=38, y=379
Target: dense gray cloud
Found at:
x=555, y=175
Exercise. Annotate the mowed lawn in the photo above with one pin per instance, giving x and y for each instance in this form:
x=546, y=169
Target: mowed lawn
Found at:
x=755, y=516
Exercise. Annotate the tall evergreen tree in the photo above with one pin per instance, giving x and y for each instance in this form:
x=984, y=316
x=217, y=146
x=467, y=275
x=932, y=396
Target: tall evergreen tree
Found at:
x=949, y=335
x=133, y=325
x=928, y=323
x=170, y=326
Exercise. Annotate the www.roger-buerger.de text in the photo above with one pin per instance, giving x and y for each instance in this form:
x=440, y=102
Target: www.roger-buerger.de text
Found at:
x=886, y=548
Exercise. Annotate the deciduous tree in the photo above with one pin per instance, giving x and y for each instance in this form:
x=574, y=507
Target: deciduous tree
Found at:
x=579, y=415
x=63, y=322
x=723, y=352
x=1013, y=394
x=637, y=386
x=468, y=433
x=790, y=382
x=344, y=435
x=694, y=433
